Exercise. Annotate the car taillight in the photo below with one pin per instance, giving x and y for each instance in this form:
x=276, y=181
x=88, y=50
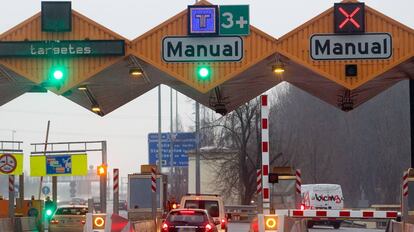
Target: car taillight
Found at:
x=302, y=207
x=54, y=221
x=223, y=223
x=83, y=222
x=164, y=227
x=209, y=228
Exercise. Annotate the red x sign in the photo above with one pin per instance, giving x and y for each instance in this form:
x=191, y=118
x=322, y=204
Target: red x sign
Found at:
x=349, y=18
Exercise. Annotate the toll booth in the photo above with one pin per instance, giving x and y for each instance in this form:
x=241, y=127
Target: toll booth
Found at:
x=139, y=195
x=407, y=196
x=283, y=193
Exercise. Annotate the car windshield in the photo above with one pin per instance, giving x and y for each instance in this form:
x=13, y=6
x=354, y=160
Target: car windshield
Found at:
x=187, y=216
x=71, y=211
x=212, y=207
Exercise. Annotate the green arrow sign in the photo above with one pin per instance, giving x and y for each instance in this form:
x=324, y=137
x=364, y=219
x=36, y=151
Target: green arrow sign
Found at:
x=234, y=20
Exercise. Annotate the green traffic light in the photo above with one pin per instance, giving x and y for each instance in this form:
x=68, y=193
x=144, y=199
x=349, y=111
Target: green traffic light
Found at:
x=48, y=212
x=58, y=74
x=203, y=73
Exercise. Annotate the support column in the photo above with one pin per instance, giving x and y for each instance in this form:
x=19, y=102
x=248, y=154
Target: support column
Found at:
x=116, y=191
x=11, y=197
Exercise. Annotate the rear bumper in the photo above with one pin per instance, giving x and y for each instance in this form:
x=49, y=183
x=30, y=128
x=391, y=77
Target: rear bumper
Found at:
x=55, y=228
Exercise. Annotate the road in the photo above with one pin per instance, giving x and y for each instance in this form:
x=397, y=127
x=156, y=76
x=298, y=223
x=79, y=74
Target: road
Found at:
x=244, y=227
x=326, y=229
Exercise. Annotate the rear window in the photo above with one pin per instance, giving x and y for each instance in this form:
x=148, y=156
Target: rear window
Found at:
x=71, y=211
x=187, y=216
x=212, y=207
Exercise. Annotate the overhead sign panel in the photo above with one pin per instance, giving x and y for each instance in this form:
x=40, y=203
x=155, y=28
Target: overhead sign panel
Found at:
x=202, y=20
x=59, y=165
x=62, y=48
x=234, y=20
x=197, y=49
x=11, y=164
x=182, y=144
x=345, y=47
x=349, y=18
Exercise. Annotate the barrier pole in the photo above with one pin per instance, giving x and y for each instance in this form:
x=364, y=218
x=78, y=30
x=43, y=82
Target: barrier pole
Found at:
x=404, y=197
x=265, y=154
x=11, y=198
x=116, y=191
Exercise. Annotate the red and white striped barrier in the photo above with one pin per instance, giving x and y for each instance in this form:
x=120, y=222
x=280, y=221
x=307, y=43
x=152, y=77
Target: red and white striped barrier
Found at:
x=259, y=181
x=116, y=180
x=265, y=153
x=348, y=214
x=153, y=179
x=298, y=181
x=11, y=183
x=405, y=184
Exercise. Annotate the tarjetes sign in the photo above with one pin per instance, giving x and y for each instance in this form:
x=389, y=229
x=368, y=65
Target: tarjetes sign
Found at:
x=59, y=48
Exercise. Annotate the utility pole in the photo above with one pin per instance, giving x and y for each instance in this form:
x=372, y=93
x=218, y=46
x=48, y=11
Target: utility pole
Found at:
x=197, y=167
x=45, y=149
x=171, y=142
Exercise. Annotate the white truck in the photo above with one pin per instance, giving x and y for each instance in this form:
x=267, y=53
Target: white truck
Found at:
x=322, y=196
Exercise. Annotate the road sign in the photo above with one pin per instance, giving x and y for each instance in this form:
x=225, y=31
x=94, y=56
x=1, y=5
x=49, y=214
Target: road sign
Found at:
x=182, y=144
x=345, y=47
x=59, y=164
x=234, y=20
x=200, y=49
x=202, y=20
x=45, y=190
x=349, y=18
x=8, y=163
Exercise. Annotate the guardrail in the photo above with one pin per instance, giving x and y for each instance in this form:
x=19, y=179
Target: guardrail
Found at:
x=400, y=227
x=6, y=225
x=240, y=213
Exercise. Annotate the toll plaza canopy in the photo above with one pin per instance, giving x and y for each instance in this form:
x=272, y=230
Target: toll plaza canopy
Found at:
x=344, y=56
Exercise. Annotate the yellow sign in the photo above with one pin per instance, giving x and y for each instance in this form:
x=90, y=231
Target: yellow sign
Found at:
x=59, y=165
x=11, y=164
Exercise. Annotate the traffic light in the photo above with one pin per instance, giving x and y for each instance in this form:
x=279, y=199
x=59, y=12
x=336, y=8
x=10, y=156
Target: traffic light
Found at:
x=270, y=222
x=50, y=208
x=101, y=170
x=204, y=73
x=98, y=221
x=57, y=75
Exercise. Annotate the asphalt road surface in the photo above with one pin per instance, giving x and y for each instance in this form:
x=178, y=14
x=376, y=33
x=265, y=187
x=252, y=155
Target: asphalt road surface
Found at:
x=244, y=227
x=326, y=229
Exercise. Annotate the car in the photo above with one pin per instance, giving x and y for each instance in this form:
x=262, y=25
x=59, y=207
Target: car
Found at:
x=214, y=205
x=68, y=218
x=194, y=220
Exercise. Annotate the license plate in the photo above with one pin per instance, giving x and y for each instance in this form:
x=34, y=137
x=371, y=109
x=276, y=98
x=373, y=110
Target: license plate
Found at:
x=186, y=229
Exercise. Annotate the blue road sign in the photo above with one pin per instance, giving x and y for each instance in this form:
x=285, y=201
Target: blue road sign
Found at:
x=45, y=190
x=58, y=164
x=182, y=144
x=203, y=20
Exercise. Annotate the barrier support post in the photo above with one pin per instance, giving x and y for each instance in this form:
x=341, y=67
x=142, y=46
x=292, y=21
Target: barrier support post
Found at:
x=11, y=198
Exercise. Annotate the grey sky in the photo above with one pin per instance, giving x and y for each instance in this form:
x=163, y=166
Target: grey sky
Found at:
x=126, y=129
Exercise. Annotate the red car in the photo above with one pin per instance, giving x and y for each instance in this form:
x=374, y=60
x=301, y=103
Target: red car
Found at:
x=196, y=220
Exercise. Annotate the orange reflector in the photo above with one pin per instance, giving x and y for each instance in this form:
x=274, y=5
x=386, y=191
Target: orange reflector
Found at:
x=99, y=222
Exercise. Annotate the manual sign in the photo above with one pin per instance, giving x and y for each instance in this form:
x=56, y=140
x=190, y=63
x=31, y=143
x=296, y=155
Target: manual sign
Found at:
x=345, y=47
x=198, y=49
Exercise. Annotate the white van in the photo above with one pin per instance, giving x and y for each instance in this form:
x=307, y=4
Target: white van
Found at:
x=322, y=196
x=212, y=203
